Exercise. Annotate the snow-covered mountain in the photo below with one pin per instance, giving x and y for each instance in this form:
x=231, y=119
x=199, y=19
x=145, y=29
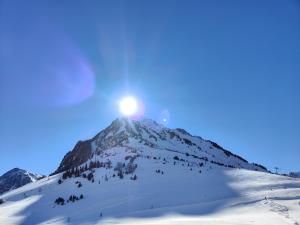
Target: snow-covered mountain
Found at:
x=144, y=137
x=140, y=172
x=16, y=178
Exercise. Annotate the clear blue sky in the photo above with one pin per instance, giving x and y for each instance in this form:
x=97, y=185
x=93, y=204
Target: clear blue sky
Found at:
x=224, y=70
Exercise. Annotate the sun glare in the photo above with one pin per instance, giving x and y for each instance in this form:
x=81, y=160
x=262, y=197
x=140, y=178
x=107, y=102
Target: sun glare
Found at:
x=128, y=106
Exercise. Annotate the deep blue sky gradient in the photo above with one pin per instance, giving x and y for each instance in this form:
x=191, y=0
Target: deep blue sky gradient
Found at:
x=228, y=71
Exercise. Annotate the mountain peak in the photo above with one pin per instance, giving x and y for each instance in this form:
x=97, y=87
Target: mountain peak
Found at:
x=16, y=178
x=13, y=171
x=130, y=122
x=16, y=169
x=147, y=135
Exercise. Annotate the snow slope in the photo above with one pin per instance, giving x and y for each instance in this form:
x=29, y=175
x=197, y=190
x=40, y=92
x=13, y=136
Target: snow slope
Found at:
x=138, y=172
x=179, y=196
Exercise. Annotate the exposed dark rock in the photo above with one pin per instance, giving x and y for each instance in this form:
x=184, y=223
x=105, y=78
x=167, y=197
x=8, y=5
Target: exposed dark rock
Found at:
x=80, y=154
x=183, y=131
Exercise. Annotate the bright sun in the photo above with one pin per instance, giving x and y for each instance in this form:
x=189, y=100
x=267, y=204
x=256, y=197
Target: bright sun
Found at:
x=128, y=106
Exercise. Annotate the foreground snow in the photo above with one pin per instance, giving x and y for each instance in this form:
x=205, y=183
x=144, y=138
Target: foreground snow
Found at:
x=180, y=196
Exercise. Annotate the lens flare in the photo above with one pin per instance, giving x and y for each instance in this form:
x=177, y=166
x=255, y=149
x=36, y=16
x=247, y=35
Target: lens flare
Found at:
x=128, y=106
x=164, y=117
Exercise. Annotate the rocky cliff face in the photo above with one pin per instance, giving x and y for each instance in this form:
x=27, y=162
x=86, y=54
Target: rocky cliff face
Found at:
x=80, y=154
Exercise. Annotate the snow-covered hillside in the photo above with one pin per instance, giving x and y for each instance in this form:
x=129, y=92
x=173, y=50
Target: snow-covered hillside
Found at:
x=139, y=172
x=16, y=178
x=178, y=196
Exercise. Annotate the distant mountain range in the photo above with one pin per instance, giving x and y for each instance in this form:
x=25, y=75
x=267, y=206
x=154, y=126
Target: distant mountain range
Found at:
x=16, y=178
